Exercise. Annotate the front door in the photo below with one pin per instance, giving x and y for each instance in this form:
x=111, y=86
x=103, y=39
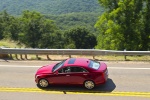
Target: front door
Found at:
x=62, y=76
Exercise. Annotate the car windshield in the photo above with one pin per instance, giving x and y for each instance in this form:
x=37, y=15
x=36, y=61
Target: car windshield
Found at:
x=58, y=65
x=93, y=64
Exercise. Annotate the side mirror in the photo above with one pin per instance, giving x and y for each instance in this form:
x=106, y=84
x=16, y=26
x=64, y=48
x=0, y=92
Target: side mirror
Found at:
x=56, y=73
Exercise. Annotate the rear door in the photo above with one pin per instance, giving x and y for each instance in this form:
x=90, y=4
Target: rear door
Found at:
x=78, y=75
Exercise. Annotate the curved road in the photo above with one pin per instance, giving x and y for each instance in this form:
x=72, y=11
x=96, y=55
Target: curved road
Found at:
x=127, y=80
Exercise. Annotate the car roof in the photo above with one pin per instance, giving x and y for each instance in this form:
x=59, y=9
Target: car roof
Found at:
x=84, y=62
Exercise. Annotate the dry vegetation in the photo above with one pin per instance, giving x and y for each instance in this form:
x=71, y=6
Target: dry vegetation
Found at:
x=100, y=58
x=10, y=44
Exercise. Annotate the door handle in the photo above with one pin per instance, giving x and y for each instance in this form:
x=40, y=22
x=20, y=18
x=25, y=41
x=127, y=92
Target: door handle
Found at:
x=85, y=74
x=67, y=75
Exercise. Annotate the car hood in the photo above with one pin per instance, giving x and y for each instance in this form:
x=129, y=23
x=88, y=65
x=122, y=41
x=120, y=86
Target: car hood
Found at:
x=45, y=69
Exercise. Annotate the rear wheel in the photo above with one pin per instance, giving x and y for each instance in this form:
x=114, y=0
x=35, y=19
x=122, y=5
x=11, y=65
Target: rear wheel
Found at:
x=89, y=84
x=43, y=83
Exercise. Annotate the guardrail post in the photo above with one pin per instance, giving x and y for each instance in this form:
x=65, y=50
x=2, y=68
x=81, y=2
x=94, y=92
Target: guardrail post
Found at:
x=26, y=56
x=48, y=57
x=11, y=56
x=125, y=57
x=21, y=56
x=16, y=56
x=37, y=57
x=69, y=56
x=93, y=57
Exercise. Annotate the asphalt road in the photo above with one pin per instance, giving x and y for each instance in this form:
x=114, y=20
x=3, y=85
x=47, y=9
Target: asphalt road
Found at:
x=127, y=80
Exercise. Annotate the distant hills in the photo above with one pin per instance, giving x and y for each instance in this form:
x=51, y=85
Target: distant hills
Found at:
x=55, y=7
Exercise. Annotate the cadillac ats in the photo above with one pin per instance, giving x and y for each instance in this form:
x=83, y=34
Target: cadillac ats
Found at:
x=73, y=71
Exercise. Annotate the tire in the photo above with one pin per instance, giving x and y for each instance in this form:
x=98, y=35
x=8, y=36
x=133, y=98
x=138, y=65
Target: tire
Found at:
x=89, y=84
x=43, y=83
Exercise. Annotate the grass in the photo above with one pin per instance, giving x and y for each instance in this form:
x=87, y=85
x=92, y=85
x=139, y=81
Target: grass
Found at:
x=10, y=44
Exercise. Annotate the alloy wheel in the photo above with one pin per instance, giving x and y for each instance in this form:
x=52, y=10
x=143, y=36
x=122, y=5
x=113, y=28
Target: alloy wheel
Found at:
x=89, y=84
x=43, y=83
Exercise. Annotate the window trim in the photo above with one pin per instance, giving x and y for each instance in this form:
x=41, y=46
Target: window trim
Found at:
x=73, y=72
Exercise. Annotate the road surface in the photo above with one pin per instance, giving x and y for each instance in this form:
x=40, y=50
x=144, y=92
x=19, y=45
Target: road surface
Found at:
x=127, y=81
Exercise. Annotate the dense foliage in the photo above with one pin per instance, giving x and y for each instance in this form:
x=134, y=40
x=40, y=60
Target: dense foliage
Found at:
x=16, y=7
x=79, y=38
x=124, y=25
x=36, y=31
x=71, y=20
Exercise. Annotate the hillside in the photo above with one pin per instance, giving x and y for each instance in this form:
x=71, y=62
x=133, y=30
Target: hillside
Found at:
x=55, y=7
x=68, y=21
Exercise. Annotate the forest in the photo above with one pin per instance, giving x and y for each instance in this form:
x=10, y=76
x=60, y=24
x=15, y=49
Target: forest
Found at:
x=37, y=31
x=53, y=7
x=123, y=25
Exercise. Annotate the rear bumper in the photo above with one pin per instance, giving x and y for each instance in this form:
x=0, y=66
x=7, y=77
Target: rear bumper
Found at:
x=104, y=78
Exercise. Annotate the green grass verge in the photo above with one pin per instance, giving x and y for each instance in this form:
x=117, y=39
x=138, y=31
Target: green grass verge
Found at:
x=10, y=44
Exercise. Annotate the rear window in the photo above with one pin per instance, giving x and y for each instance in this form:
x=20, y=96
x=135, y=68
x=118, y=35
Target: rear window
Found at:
x=94, y=64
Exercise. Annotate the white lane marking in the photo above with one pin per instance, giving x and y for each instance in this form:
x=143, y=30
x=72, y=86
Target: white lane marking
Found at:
x=25, y=66
x=133, y=68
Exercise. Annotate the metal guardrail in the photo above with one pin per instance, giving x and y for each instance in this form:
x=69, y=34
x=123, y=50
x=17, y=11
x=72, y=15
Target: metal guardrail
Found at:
x=91, y=52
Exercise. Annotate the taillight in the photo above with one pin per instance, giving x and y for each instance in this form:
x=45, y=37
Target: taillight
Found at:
x=106, y=71
x=105, y=74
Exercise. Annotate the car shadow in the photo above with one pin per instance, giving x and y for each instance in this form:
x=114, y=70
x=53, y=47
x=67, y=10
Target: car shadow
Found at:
x=108, y=87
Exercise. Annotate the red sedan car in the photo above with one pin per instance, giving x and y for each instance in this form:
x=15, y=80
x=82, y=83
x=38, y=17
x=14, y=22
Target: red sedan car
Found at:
x=73, y=71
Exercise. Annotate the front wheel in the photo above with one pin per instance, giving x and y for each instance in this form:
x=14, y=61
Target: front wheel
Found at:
x=43, y=83
x=89, y=84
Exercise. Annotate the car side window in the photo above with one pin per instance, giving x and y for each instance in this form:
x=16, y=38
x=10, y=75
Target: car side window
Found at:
x=78, y=69
x=72, y=70
x=65, y=70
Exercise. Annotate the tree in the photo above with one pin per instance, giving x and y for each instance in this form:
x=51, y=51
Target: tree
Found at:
x=145, y=36
x=121, y=25
x=4, y=24
x=53, y=40
x=15, y=28
x=35, y=27
x=1, y=27
x=9, y=26
x=80, y=38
